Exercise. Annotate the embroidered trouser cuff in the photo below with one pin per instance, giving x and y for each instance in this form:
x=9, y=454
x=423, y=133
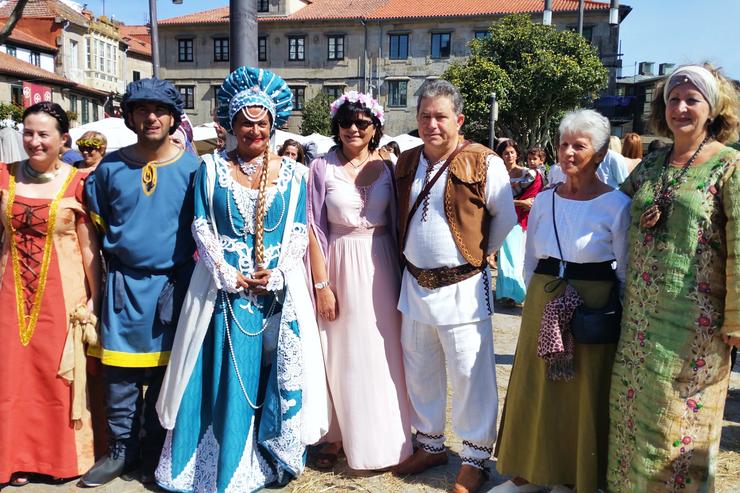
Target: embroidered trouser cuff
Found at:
x=430, y=442
x=475, y=454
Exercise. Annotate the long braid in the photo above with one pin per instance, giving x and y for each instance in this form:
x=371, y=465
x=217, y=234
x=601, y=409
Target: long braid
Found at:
x=259, y=227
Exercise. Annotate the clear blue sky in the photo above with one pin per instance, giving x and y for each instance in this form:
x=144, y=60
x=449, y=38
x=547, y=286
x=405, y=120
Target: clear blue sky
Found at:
x=678, y=31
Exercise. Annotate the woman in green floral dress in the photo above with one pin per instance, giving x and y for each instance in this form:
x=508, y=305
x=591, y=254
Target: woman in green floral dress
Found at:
x=682, y=302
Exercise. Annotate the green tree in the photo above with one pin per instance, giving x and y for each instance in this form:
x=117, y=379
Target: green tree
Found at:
x=316, y=118
x=537, y=73
x=10, y=111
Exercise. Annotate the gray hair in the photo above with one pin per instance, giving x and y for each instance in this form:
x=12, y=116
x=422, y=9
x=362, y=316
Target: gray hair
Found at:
x=437, y=88
x=590, y=122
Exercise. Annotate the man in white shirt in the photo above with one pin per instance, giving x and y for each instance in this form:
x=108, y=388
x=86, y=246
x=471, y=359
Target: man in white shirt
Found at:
x=445, y=297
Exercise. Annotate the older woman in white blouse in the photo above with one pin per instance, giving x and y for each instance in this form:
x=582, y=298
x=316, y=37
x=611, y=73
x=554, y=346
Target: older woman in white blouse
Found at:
x=555, y=423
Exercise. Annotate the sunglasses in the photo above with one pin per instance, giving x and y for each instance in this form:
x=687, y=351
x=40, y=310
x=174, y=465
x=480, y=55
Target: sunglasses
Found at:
x=88, y=148
x=360, y=124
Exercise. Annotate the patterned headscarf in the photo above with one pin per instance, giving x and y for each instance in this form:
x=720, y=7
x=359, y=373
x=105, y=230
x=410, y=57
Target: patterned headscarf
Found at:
x=250, y=86
x=701, y=78
x=156, y=91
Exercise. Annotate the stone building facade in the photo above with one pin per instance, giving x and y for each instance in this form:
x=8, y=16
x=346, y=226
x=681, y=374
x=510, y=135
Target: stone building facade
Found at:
x=389, y=47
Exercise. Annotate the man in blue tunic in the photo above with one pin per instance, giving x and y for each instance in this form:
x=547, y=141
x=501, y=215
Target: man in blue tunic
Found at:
x=141, y=199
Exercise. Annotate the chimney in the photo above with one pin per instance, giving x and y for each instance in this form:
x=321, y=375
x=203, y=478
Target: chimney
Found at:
x=666, y=68
x=646, y=68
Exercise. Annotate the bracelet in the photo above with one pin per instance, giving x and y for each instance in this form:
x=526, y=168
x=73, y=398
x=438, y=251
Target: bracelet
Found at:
x=321, y=285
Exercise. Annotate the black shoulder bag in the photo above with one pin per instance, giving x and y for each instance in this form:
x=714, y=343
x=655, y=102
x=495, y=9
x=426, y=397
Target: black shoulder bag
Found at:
x=592, y=325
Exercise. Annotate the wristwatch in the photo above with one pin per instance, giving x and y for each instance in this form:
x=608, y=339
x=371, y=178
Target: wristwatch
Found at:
x=321, y=285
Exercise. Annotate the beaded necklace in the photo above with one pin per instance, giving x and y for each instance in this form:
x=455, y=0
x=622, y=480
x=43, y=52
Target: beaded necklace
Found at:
x=665, y=190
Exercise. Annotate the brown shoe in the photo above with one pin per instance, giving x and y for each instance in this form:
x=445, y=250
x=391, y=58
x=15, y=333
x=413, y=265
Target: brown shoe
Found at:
x=469, y=479
x=420, y=461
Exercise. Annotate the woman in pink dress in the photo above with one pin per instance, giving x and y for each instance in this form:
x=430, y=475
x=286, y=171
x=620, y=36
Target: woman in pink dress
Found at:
x=356, y=277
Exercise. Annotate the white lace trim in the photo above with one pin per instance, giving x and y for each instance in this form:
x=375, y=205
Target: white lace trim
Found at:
x=290, y=258
x=199, y=474
x=288, y=447
x=211, y=252
x=246, y=198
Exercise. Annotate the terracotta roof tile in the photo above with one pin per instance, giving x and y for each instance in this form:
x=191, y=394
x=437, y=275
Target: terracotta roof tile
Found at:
x=10, y=65
x=391, y=9
x=213, y=16
x=338, y=9
x=137, y=38
x=23, y=38
x=45, y=9
x=399, y=9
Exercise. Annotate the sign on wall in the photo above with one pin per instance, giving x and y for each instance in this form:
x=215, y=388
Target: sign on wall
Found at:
x=35, y=93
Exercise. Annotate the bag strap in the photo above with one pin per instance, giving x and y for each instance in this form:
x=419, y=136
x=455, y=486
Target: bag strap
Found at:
x=425, y=191
x=561, y=272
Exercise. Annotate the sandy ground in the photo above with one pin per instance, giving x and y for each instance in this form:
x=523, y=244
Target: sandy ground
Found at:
x=506, y=327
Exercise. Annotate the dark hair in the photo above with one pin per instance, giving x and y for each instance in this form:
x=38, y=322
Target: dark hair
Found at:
x=537, y=151
x=501, y=147
x=53, y=110
x=393, y=146
x=297, y=145
x=656, y=144
x=348, y=111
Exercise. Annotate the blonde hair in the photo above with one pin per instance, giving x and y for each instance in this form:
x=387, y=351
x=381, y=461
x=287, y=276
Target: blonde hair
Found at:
x=259, y=227
x=723, y=127
x=632, y=146
x=615, y=144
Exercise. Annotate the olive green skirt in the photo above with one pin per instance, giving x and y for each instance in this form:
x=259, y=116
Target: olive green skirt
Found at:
x=555, y=432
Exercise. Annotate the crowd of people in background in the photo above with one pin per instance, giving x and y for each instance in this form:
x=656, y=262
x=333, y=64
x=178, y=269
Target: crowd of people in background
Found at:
x=206, y=320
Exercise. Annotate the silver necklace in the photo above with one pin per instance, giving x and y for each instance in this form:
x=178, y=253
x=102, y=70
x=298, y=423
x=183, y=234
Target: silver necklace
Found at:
x=251, y=167
x=357, y=166
x=37, y=177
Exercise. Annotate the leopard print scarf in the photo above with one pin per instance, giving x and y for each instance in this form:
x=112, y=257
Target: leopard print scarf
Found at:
x=555, y=342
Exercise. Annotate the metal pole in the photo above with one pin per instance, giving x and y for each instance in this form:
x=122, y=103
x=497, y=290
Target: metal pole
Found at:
x=492, y=122
x=581, y=7
x=547, y=13
x=243, y=33
x=614, y=13
x=155, y=37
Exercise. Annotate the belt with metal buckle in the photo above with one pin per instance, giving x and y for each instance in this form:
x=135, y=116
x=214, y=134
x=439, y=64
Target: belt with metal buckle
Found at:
x=442, y=276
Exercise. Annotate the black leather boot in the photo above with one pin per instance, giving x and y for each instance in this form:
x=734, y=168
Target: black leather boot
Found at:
x=108, y=467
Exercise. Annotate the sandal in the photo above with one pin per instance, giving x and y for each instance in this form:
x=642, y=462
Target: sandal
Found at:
x=325, y=460
x=18, y=480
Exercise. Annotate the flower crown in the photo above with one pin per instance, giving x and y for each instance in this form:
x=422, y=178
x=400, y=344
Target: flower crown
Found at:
x=363, y=99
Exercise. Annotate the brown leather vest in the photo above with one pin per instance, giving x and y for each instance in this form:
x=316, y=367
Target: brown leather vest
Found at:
x=464, y=198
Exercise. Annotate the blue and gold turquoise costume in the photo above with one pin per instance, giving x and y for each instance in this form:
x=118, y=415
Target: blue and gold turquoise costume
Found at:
x=144, y=214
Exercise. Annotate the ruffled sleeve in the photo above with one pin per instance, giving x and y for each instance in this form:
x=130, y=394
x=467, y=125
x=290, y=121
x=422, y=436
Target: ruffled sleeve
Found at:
x=209, y=246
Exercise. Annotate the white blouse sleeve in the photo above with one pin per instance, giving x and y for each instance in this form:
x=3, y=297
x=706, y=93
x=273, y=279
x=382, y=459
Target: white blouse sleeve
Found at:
x=209, y=249
x=620, y=240
x=500, y=202
x=530, y=254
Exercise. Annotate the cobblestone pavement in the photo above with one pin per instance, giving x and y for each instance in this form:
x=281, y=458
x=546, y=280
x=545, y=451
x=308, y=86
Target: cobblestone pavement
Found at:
x=506, y=327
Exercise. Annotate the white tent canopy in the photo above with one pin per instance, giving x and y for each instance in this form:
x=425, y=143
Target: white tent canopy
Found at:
x=114, y=129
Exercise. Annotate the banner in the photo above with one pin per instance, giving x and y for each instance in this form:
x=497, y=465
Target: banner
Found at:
x=35, y=93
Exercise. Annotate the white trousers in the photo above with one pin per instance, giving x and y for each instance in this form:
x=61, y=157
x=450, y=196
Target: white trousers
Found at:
x=465, y=351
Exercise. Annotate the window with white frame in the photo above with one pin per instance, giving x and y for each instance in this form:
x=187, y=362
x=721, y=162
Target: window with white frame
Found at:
x=73, y=58
x=296, y=48
x=184, y=50
x=188, y=96
x=398, y=93
x=299, y=98
x=262, y=49
x=35, y=58
x=336, y=47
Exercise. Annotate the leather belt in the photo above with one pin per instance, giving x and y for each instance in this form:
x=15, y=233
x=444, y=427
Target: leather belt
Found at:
x=442, y=276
